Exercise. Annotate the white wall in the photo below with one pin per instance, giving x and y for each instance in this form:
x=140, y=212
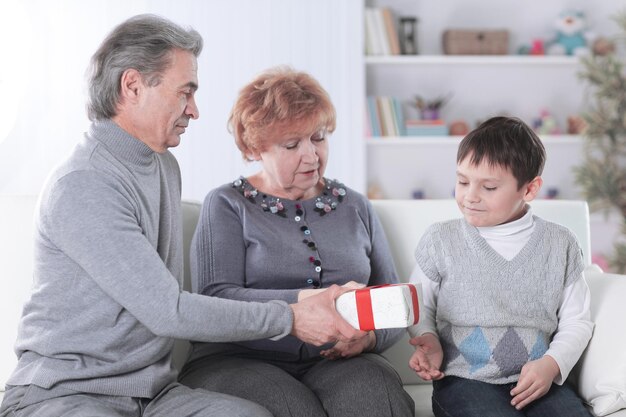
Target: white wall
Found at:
x=45, y=48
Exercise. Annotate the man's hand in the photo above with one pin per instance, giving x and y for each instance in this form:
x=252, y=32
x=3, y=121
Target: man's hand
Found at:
x=352, y=285
x=343, y=350
x=534, y=381
x=316, y=321
x=427, y=358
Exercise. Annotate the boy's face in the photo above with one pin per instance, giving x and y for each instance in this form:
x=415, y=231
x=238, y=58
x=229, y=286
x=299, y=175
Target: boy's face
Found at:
x=489, y=196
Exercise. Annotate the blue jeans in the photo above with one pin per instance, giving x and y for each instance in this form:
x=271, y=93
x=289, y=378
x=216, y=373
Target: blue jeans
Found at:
x=454, y=396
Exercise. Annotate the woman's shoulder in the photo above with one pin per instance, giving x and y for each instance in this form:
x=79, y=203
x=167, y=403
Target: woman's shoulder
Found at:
x=231, y=192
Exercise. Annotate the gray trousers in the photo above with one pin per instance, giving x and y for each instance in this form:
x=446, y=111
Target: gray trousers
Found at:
x=363, y=386
x=174, y=401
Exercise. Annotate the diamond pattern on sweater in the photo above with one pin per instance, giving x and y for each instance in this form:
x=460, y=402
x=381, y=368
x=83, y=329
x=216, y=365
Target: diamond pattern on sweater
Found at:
x=510, y=353
x=539, y=348
x=452, y=352
x=475, y=349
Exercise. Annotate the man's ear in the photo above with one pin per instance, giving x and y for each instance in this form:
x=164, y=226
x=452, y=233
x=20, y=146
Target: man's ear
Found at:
x=131, y=83
x=532, y=189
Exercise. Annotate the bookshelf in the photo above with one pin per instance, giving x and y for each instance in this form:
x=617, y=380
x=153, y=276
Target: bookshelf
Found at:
x=480, y=86
x=401, y=166
x=471, y=60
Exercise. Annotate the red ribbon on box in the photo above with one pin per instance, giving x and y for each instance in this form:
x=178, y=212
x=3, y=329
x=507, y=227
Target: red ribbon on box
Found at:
x=364, y=305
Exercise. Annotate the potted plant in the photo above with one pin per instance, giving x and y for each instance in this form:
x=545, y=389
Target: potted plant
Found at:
x=602, y=174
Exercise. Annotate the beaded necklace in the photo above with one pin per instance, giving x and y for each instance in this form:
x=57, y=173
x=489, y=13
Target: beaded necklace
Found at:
x=329, y=200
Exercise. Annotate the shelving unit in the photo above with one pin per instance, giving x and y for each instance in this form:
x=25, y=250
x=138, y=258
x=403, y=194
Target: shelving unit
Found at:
x=516, y=85
x=470, y=60
x=481, y=86
x=400, y=166
x=548, y=140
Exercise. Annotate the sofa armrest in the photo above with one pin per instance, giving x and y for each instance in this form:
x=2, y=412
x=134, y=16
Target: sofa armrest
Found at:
x=600, y=375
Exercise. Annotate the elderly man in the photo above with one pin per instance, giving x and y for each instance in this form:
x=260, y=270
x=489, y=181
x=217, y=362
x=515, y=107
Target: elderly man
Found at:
x=96, y=335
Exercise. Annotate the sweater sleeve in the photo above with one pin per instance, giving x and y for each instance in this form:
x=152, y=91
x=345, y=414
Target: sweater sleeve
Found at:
x=430, y=293
x=426, y=254
x=93, y=220
x=218, y=255
x=574, y=329
x=383, y=272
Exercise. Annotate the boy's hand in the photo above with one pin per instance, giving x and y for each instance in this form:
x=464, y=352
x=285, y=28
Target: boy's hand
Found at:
x=534, y=381
x=427, y=358
x=343, y=350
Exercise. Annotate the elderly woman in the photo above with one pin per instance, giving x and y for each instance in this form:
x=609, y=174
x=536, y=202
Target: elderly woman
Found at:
x=286, y=233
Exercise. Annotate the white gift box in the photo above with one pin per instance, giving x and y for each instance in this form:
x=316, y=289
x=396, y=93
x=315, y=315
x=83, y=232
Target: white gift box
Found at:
x=381, y=307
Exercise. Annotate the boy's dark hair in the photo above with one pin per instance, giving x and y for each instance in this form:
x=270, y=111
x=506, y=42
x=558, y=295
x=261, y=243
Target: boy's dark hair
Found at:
x=507, y=142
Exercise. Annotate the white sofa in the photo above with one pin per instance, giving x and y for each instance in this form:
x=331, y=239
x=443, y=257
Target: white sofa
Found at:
x=600, y=375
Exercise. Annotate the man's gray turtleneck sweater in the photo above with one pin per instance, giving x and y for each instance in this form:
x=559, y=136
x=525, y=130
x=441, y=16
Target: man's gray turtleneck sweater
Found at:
x=107, y=299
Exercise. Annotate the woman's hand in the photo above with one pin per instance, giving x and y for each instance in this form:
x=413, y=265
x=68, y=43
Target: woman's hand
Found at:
x=534, y=381
x=427, y=358
x=343, y=350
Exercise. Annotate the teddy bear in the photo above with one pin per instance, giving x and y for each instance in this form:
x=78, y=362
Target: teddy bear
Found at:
x=571, y=38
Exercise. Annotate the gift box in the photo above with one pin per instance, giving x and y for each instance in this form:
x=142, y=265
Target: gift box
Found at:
x=381, y=307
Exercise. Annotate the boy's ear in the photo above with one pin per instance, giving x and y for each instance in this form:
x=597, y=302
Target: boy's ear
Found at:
x=532, y=189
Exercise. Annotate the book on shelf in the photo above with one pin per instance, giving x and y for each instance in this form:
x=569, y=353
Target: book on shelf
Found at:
x=385, y=116
x=392, y=31
x=435, y=127
x=381, y=35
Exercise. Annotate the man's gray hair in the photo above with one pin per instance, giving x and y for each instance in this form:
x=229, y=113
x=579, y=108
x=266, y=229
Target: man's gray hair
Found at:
x=143, y=43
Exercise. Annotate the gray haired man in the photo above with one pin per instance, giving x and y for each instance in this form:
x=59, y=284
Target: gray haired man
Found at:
x=96, y=336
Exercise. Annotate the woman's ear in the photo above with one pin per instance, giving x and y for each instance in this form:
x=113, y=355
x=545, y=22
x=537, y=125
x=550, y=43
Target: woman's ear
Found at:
x=253, y=155
x=532, y=189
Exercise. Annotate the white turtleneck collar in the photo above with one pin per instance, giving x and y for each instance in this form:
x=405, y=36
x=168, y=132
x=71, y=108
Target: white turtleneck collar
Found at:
x=509, y=238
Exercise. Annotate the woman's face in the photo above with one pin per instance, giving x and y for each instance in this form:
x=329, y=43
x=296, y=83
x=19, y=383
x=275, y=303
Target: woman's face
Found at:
x=294, y=163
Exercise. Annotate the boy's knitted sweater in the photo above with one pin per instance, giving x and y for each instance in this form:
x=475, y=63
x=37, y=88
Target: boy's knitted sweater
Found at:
x=495, y=315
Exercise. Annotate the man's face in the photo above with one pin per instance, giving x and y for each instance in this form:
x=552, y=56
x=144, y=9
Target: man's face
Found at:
x=165, y=109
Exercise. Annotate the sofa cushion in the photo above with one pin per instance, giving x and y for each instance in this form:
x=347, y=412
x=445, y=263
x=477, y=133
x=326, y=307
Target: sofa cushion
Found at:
x=422, y=395
x=405, y=221
x=601, y=372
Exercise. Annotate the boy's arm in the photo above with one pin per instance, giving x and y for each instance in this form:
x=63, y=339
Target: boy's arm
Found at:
x=430, y=292
x=571, y=338
x=427, y=358
x=534, y=382
x=574, y=329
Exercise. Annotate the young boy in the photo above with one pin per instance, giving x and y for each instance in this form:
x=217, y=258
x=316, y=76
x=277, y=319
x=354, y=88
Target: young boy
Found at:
x=506, y=304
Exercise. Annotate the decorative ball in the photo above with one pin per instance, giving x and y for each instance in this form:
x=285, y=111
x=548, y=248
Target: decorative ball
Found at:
x=459, y=128
x=576, y=125
x=602, y=47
